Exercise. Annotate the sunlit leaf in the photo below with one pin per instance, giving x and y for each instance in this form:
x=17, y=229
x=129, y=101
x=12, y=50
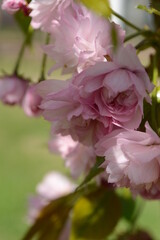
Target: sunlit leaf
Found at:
x=101, y=7
x=52, y=219
x=95, y=215
x=149, y=10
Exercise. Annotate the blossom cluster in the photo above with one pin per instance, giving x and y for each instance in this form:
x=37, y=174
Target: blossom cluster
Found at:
x=98, y=111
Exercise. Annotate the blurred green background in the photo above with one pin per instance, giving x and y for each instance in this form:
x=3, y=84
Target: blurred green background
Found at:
x=24, y=156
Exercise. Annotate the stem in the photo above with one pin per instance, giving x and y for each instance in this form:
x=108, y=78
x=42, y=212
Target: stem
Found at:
x=144, y=33
x=125, y=20
x=20, y=55
x=154, y=96
x=21, y=52
x=44, y=60
x=134, y=35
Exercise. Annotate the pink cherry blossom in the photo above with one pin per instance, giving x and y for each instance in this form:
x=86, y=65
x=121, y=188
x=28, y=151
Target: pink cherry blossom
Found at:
x=13, y=6
x=132, y=159
x=31, y=102
x=101, y=98
x=12, y=89
x=80, y=39
x=45, y=13
x=78, y=157
x=53, y=186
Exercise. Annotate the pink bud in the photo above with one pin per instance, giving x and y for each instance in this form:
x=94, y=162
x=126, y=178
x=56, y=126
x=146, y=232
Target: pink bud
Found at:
x=31, y=102
x=12, y=89
x=12, y=6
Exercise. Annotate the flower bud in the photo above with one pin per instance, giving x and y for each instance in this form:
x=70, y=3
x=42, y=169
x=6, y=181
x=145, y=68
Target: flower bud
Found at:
x=12, y=6
x=31, y=102
x=12, y=89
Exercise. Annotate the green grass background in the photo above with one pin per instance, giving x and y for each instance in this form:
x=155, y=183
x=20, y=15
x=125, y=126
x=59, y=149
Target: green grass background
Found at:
x=24, y=157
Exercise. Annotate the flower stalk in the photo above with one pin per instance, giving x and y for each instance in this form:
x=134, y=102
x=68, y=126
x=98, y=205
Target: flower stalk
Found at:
x=44, y=60
x=22, y=50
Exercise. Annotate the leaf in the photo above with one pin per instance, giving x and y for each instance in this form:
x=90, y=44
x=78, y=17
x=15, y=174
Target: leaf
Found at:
x=149, y=10
x=129, y=206
x=93, y=207
x=52, y=219
x=95, y=170
x=101, y=7
x=95, y=215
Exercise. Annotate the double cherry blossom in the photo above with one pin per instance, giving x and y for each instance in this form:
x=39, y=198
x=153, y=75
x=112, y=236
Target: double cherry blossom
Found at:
x=101, y=98
x=87, y=39
x=98, y=110
x=132, y=159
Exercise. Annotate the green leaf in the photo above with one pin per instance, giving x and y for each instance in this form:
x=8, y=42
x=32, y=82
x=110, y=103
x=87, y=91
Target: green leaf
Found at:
x=129, y=206
x=95, y=170
x=149, y=10
x=95, y=215
x=101, y=7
